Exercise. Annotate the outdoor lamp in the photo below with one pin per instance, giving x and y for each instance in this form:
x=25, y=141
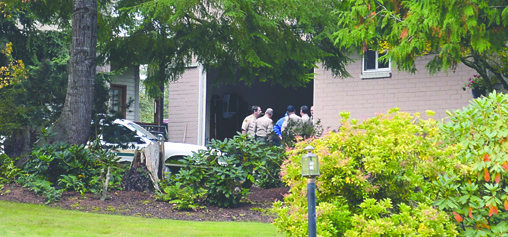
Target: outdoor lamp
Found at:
x=310, y=163
x=310, y=170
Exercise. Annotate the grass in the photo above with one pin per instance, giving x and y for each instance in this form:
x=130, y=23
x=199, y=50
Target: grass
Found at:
x=18, y=219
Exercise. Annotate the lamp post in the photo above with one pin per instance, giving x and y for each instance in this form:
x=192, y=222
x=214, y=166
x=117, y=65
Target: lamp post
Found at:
x=310, y=170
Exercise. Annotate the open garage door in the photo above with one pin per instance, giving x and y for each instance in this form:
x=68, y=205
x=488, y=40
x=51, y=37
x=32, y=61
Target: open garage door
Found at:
x=228, y=105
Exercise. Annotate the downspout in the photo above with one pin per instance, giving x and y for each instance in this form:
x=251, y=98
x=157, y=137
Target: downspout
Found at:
x=201, y=105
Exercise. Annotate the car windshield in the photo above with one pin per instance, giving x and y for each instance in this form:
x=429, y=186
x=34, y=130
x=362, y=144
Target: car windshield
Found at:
x=142, y=130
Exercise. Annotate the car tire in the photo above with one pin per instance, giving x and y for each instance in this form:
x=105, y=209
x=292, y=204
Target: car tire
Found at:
x=170, y=171
x=167, y=173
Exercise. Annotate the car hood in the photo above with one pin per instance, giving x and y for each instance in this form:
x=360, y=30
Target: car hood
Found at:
x=181, y=149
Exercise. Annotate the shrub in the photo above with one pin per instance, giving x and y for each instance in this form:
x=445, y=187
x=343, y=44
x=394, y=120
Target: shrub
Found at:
x=70, y=167
x=52, y=161
x=228, y=175
x=297, y=132
x=267, y=167
x=421, y=221
x=391, y=157
x=475, y=192
x=8, y=171
x=183, y=198
x=41, y=186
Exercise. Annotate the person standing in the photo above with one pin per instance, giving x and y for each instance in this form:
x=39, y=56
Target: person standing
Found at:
x=292, y=122
x=307, y=127
x=304, y=112
x=312, y=114
x=264, y=126
x=249, y=123
x=277, y=140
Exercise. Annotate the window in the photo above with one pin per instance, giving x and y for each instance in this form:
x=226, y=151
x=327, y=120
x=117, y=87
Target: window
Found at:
x=373, y=67
x=120, y=136
x=117, y=98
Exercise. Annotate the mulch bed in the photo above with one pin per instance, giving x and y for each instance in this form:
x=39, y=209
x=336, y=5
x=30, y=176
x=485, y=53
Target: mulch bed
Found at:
x=131, y=203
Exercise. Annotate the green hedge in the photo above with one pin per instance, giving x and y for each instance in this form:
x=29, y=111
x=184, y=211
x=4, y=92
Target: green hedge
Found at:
x=376, y=179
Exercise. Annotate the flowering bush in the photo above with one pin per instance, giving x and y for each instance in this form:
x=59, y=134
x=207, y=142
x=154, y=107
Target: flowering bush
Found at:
x=475, y=83
x=376, y=179
x=475, y=191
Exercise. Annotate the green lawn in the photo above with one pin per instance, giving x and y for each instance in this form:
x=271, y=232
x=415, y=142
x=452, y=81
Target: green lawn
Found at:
x=17, y=219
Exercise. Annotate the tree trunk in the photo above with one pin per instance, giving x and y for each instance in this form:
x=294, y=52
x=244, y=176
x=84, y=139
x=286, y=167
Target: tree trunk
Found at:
x=19, y=144
x=73, y=126
x=145, y=170
x=138, y=177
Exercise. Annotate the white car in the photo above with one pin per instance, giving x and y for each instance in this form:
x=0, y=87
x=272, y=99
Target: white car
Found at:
x=172, y=151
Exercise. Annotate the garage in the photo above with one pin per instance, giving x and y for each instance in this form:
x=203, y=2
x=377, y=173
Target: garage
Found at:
x=202, y=108
x=230, y=104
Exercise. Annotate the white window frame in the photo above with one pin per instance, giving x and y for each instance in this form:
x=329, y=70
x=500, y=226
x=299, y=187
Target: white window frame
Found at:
x=376, y=72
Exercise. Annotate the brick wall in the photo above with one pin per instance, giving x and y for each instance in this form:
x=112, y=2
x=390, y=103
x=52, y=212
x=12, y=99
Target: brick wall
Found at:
x=363, y=98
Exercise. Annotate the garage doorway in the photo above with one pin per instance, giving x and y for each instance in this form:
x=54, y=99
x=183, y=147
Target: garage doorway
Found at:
x=228, y=105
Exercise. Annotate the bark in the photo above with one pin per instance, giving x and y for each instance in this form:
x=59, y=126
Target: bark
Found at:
x=19, y=144
x=138, y=177
x=145, y=169
x=73, y=126
x=105, y=183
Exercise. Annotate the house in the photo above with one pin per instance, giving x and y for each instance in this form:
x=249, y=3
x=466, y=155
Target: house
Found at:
x=123, y=89
x=198, y=110
x=373, y=91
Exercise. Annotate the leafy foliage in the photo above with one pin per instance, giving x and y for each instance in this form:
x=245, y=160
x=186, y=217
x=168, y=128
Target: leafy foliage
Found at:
x=470, y=32
x=62, y=166
x=389, y=158
x=53, y=161
x=8, y=171
x=267, y=168
x=475, y=192
x=11, y=74
x=475, y=83
x=34, y=92
x=146, y=106
x=34, y=97
x=423, y=220
x=182, y=198
x=274, y=41
x=228, y=169
x=295, y=132
x=14, y=71
x=56, y=13
x=42, y=187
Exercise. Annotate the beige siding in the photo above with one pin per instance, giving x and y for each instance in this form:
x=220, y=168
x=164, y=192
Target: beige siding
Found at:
x=130, y=78
x=363, y=98
x=183, y=108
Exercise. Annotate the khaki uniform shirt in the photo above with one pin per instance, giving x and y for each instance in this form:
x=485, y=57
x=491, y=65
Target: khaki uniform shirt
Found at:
x=306, y=120
x=295, y=119
x=249, y=125
x=264, y=126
